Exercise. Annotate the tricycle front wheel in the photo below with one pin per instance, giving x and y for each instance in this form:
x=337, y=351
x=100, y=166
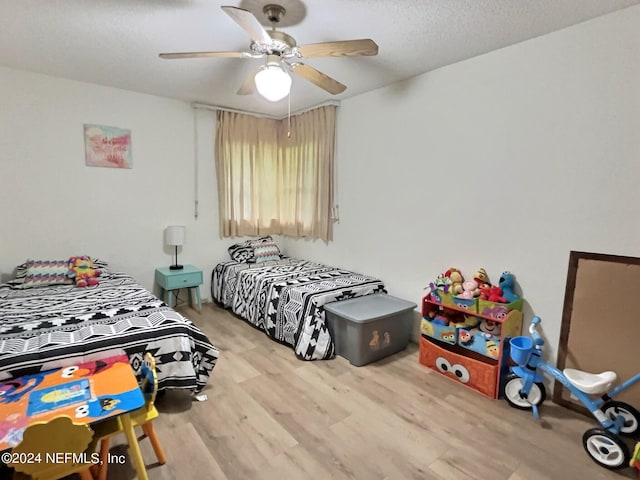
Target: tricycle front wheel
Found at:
x=512, y=392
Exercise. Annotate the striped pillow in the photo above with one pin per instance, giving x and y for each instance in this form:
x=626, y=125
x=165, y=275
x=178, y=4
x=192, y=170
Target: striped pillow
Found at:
x=265, y=249
x=41, y=273
x=242, y=252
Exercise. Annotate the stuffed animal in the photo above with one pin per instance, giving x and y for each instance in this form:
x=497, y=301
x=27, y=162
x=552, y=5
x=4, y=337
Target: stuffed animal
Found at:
x=489, y=327
x=485, y=292
x=469, y=290
x=441, y=283
x=495, y=295
x=455, y=277
x=440, y=319
x=83, y=271
x=482, y=278
x=508, y=284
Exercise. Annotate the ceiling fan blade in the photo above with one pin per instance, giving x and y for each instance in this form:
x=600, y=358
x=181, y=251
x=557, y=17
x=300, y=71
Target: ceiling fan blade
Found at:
x=170, y=56
x=364, y=46
x=249, y=84
x=249, y=23
x=318, y=78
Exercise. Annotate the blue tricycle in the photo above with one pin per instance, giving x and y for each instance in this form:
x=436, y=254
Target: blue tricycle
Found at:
x=523, y=388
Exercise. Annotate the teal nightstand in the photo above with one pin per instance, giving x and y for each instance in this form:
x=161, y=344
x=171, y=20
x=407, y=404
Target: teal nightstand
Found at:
x=188, y=277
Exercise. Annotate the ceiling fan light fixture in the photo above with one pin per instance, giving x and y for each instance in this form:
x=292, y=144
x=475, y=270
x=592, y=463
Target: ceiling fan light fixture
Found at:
x=272, y=82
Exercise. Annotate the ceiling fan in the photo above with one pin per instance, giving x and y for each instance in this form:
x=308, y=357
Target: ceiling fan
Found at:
x=282, y=55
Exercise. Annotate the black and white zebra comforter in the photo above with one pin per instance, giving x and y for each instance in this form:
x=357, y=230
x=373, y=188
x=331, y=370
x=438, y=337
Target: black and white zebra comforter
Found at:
x=49, y=327
x=285, y=298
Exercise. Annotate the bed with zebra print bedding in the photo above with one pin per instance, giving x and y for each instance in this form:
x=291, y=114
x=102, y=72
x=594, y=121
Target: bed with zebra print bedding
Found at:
x=285, y=299
x=58, y=325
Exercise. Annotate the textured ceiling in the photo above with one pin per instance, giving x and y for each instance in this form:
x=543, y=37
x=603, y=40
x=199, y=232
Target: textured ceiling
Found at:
x=116, y=42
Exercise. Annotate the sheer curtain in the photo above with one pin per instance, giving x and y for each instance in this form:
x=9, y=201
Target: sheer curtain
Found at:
x=270, y=182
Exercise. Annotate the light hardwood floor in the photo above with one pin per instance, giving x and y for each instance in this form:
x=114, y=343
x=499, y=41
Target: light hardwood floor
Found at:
x=272, y=416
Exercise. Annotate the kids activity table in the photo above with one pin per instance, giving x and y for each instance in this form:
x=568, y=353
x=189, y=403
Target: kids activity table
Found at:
x=88, y=393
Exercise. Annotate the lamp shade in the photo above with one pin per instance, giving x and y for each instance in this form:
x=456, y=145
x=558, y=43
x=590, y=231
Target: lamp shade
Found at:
x=272, y=82
x=174, y=235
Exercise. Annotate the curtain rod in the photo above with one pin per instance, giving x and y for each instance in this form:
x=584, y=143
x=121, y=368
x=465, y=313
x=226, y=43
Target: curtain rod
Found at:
x=207, y=106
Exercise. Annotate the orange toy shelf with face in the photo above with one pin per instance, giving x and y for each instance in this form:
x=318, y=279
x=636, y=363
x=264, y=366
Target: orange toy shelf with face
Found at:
x=466, y=342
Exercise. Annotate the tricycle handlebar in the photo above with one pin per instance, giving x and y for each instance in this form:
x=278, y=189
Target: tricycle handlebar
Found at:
x=537, y=339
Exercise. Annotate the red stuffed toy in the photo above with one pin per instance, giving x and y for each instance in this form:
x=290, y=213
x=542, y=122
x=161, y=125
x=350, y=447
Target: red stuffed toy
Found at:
x=484, y=292
x=495, y=295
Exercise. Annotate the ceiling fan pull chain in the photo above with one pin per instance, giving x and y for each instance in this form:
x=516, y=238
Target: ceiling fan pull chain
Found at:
x=289, y=116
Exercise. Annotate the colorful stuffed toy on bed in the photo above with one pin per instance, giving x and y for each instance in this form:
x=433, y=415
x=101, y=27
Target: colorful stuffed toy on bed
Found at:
x=83, y=271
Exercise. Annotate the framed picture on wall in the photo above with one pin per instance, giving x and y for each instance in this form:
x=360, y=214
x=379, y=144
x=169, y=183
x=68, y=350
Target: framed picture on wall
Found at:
x=107, y=146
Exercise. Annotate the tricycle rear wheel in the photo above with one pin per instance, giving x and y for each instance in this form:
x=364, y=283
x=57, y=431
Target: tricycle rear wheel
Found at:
x=631, y=416
x=605, y=448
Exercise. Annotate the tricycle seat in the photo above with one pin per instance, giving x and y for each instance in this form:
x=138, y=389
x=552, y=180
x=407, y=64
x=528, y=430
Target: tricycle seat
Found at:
x=591, y=383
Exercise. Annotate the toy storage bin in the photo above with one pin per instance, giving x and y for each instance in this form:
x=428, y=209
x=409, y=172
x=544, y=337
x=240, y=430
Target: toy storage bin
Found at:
x=367, y=328
x=472, y=371
x=469, y=304
x=438, y=296
x=440, y=332
x=480, y=342
x=498, y=310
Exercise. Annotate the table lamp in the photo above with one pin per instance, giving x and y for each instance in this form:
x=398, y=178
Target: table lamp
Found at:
x=174, y=236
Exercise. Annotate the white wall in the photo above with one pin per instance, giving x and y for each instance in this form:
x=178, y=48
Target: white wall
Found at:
x=53, y=206
x=507, y=161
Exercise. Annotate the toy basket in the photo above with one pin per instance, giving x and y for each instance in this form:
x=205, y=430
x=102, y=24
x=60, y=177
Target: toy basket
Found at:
x=521, y=348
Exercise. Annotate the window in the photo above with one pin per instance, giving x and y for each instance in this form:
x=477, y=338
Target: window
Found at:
x=273, y=183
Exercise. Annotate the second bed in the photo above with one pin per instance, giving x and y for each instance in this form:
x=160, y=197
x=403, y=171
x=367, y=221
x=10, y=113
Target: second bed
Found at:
x=285, y=299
